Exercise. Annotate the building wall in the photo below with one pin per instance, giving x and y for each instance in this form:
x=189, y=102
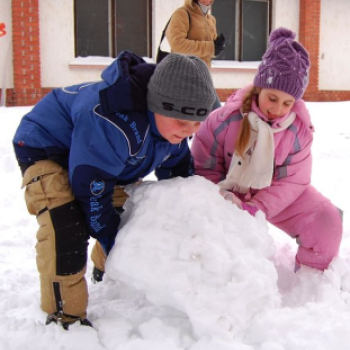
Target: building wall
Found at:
x=57, y=44
x=334, y=54
x=286, y=14
x=42, y=56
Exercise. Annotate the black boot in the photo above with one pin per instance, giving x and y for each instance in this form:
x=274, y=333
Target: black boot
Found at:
x=65, y=321
x=97, y=275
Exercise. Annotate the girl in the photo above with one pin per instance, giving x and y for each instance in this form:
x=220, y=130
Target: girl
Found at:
x=258, y=149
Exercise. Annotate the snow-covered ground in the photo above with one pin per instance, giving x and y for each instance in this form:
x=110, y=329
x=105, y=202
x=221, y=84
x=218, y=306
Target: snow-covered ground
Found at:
x=189, y=270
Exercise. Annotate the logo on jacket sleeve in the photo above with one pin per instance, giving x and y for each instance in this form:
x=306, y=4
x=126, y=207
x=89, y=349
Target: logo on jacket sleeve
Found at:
x=97, y=187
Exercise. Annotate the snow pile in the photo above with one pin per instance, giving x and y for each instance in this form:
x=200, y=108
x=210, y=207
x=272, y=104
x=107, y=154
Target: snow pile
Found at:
x=213, y=265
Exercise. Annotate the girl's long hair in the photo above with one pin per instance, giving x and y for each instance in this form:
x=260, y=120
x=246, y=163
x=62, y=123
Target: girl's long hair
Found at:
x=244, y=132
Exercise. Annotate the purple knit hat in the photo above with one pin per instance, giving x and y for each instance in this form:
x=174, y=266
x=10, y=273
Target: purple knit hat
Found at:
x=285, y=65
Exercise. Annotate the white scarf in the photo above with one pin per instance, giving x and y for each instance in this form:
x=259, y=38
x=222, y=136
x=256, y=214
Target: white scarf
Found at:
x=255, y=168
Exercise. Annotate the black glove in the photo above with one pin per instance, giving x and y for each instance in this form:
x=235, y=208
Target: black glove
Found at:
x=219, y=43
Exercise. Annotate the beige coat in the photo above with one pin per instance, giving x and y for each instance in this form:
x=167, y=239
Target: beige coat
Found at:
x=196, y=38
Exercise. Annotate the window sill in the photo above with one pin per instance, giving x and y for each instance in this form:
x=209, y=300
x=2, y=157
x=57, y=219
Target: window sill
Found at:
x=91, y=62
x=217, y=65
x=98, y=63
x=95, y=62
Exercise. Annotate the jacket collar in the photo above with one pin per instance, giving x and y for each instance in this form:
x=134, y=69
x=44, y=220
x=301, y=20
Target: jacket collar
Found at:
x=127, y=79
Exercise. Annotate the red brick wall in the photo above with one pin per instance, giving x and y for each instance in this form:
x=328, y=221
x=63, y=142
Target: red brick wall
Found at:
x=224, y=94
x=309, y=36
x=26, y=54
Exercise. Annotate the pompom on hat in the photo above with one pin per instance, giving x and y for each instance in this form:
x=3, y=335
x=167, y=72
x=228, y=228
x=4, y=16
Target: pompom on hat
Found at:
x=285, y=65
x=181, y=87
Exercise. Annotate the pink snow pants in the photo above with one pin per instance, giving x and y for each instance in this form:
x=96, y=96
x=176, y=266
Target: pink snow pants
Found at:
x=316, y=224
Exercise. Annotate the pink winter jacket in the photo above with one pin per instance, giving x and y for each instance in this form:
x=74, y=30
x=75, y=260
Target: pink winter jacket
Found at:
x=213, y=147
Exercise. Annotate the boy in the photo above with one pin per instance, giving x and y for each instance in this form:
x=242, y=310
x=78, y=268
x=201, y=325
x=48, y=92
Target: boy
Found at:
x=80, y=146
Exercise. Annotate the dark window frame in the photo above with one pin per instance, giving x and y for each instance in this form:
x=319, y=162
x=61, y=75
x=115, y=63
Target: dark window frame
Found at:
x=238, y=25
x=112, y=19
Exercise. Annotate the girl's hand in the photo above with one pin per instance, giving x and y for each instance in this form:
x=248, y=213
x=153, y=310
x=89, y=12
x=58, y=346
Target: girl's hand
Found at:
x=250, y=208
x=229, y=196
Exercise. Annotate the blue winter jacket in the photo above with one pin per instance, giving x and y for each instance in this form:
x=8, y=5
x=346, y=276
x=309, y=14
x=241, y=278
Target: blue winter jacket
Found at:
x=104, y=135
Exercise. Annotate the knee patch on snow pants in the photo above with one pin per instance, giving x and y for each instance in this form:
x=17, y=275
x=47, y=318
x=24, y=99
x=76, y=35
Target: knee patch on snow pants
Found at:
x=62, y=239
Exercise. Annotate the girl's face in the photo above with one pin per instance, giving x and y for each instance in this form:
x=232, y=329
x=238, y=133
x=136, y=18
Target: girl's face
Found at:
x=175, y=130
x=205, y=2
x=275, y=103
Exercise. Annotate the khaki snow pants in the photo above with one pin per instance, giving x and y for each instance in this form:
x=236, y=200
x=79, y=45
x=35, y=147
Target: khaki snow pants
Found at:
x=62, y=239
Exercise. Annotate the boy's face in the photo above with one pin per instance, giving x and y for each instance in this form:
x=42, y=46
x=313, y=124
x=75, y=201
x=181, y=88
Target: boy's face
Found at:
x=175, y=130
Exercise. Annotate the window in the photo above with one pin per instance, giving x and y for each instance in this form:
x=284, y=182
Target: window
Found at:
x=246, y=25
x=107, y=27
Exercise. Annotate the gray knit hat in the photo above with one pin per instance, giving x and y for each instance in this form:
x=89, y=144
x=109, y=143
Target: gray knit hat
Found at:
x=182, y=88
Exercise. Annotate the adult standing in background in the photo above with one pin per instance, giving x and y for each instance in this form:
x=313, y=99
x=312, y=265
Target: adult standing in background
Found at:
x=192, y=31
